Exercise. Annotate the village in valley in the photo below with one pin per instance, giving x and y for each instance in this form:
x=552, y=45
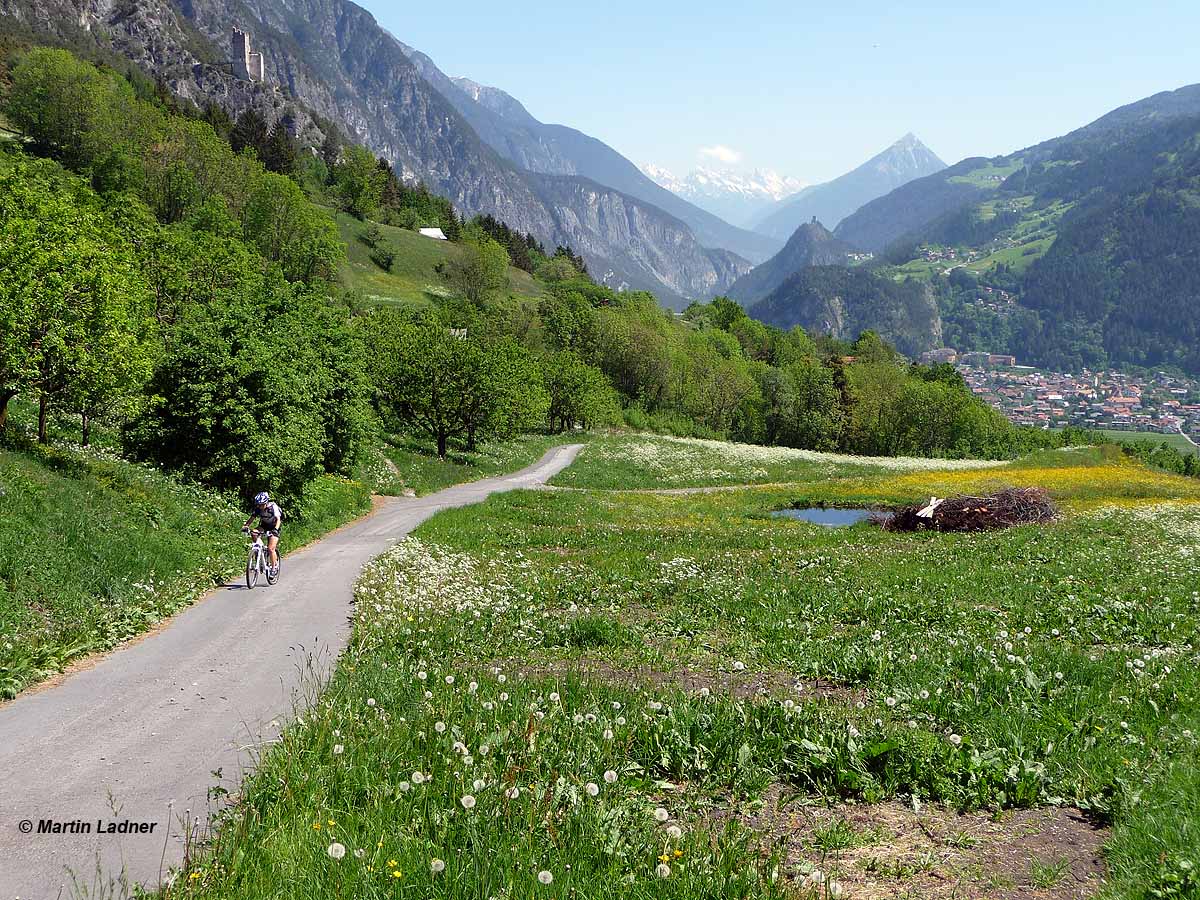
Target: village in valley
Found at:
x=1156, y=402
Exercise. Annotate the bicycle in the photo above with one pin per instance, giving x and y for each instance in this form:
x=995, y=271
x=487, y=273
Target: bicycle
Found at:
x=256, y=562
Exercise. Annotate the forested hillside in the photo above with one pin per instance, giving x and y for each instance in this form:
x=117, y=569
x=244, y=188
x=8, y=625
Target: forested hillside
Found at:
x=811, y=245
x=842, y=302
x=189, y=295
x=329, y=68
x=1091, y=237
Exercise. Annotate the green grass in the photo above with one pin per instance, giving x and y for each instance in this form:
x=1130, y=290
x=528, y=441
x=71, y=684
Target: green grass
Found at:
x=545, y=638
x=95, y=549
x=655, y=461
x=1020, y=257
x=418, y=468
x=413, y=279
x=987, y=175
x=1178, y=441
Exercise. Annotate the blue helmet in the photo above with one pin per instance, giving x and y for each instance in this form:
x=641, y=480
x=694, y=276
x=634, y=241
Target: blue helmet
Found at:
x=262, y=498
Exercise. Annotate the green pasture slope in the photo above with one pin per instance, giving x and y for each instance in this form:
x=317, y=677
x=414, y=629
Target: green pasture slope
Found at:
x=413, y=278
x=595, y=693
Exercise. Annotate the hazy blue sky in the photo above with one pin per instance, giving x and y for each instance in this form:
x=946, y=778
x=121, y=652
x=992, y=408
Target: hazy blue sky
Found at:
x=807, y=89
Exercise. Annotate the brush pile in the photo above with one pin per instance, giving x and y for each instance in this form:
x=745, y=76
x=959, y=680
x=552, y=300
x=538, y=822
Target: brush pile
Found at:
x=1009, y=507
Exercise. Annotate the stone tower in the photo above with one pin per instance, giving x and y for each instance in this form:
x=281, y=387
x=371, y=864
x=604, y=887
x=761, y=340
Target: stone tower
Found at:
x=239, y=45
x=247, y=64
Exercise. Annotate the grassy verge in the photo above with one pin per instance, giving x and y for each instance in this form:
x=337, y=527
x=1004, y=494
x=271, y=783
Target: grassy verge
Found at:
x=418, y=467
x=616, y=690
x=95, y=550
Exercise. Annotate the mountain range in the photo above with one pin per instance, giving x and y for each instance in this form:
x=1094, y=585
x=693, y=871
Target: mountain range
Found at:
x=919, y=203
x=1092, y=240
x=329, y=64
x=1094, y=236
x=508, y=128
x=831, y=202
x=736, y=197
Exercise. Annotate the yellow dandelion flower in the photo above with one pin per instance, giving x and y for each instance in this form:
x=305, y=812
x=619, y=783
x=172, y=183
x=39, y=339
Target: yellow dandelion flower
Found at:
x=392, y=864
x=666, y=857
x=678, y=853
x=396, y=873
x=316, y=826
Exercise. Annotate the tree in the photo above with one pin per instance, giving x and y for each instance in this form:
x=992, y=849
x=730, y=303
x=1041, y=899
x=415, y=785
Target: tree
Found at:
x=410, y=371
x=74, y=309
x=480, y=270
x=448, y=385
x=331, y=150
x=279, y=152
x=287, y=229
x=578, y=394
x=725, y=312
x=569, y=321
x=239, y=400
x=359, y=183
x=813, y=418
x=250, y=132
x=66, y=106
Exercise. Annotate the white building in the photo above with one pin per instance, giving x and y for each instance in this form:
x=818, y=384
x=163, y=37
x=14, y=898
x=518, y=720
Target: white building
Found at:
x=435, y=233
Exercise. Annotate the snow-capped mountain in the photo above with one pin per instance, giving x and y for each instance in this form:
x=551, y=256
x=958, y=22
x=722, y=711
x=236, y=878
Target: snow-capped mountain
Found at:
x=734, y=196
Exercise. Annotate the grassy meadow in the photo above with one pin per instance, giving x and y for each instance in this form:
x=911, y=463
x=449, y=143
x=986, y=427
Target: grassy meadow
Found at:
x=589, y=693
x=413, y=278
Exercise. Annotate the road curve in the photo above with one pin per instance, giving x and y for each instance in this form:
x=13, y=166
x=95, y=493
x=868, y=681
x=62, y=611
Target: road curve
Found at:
x=137, y=737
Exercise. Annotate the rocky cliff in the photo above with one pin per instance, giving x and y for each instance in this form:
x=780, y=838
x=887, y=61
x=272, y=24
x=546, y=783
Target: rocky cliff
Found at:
x=811, y=245
x=328, y=60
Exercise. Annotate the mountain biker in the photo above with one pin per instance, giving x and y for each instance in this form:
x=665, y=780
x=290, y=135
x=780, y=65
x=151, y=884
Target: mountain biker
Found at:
x=270, y=517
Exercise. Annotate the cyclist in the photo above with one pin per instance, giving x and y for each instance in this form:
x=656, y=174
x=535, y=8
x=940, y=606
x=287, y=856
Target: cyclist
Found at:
x=270, y=517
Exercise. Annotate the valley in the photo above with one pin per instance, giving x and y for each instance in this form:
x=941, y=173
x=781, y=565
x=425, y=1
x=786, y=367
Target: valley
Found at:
x=716, y=536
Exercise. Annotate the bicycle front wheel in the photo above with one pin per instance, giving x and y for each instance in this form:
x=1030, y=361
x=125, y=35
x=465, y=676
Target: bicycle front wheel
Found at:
x=252, y=570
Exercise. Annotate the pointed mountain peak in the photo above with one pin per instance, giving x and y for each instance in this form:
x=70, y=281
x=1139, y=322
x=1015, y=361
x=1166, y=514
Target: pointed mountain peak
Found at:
x=912, y=148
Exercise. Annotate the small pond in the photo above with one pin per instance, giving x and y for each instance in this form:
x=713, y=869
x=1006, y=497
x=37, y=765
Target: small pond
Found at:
x=830, y=517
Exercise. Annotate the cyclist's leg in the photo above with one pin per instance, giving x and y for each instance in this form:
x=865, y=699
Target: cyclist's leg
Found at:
x=272, y=543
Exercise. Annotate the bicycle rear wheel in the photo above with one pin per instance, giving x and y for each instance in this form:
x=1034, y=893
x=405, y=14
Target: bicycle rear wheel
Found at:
x=252, y=570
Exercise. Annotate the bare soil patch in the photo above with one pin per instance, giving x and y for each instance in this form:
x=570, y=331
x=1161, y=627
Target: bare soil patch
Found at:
x=887, y=850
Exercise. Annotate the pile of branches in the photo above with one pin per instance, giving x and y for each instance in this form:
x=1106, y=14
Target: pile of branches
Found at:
x=1009, y=507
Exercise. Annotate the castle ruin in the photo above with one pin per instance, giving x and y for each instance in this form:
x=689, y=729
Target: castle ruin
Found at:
x=246, y=64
